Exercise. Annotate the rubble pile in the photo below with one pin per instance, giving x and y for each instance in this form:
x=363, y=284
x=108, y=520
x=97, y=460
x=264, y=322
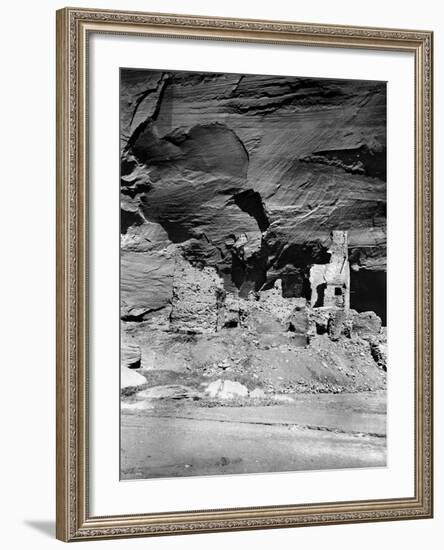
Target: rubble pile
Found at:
x=270, y=345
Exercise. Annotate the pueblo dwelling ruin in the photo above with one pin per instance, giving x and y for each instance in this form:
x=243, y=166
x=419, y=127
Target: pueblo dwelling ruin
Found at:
x=201, y=306
x=330, y=283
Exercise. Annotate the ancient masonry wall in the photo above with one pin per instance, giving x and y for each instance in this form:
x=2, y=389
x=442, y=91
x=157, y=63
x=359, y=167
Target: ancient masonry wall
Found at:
x=330, y=283
x=198, y=295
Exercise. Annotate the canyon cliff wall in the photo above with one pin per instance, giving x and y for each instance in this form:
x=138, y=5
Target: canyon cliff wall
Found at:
x=248, y=175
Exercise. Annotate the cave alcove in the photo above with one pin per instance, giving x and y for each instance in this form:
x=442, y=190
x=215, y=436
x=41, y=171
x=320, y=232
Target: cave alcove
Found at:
x=368, y=292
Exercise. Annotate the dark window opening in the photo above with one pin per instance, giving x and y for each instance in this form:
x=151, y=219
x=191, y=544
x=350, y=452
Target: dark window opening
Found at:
x=320, y=329
x=321, y=293
x=338, y=291
x=306, y=289
x=296, y=284
x=232, y=323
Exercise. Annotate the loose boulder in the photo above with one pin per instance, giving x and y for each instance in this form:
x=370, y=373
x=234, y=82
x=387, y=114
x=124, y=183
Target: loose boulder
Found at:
x=366, y=325
x=130, y=379
x=130, y=355
x=226, y=389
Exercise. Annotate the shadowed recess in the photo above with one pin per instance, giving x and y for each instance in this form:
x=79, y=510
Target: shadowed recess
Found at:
x=368, y=292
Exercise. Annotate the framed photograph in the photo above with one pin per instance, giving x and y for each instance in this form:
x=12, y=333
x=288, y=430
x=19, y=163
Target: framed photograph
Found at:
x=244, y=274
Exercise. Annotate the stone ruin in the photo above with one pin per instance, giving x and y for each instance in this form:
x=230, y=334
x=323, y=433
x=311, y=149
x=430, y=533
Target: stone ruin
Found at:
x=201, y=305
x=198, y=296
x=330, y=283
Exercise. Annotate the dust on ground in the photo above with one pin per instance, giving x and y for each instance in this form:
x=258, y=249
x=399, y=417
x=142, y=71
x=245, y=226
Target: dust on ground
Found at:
x=247, y=405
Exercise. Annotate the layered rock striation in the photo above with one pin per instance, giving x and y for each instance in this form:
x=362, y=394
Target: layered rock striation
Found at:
x=230, y=183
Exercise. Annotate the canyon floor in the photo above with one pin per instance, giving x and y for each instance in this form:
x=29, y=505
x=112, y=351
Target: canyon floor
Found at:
x=180, y=437
x=269, y=407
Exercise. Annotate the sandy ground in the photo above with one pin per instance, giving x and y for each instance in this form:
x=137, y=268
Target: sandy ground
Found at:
x=316, y=431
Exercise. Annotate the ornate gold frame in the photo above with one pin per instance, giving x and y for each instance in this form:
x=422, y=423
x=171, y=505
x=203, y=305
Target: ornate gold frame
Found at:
x=73, y=519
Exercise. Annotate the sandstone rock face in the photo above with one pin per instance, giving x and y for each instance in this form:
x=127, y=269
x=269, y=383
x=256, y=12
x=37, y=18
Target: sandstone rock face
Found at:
x=130, y=354
x=250, y=174
x=231, y=187
x=143, y=237
x=146, y=283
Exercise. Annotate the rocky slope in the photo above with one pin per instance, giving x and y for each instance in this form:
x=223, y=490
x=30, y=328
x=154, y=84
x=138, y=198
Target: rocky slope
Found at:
x=230, y=188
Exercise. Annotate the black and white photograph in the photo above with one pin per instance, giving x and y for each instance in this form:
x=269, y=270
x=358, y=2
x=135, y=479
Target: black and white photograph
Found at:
x=253, y=261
